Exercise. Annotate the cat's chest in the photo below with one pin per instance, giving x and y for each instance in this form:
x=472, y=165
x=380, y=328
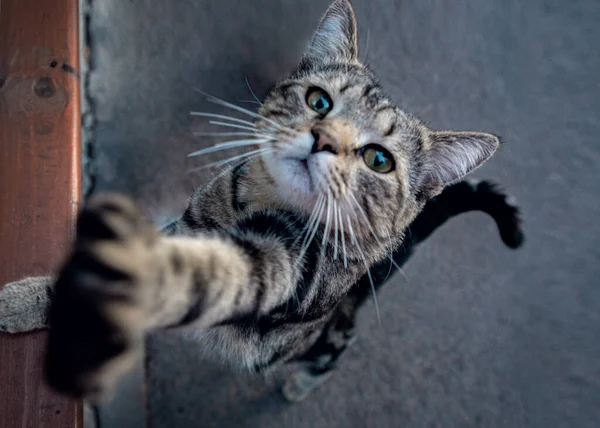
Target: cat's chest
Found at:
x=245, y=347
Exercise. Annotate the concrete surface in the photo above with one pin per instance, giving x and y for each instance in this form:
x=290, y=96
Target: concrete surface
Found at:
x=478, y=335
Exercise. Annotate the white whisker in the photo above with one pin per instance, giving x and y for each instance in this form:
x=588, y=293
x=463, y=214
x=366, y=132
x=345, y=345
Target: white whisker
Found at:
x=308, y=224
x=315, y=220
x=229, y=134
x=225, y=171
x=219, y=101
x=335, y=222
x=367, y=46
x=364, y=259
x=228, y=145
x=251, y=91
x=233, y=158
x=315, y=228
x=317, y=223
x=388, y=273
x=231, y=125
x=343, y=237
x=306, y=227
x=222, y=116
x=313, y=213
x=327, y=229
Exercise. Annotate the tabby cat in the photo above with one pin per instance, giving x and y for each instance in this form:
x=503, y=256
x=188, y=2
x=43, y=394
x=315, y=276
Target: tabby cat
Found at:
x=270, y=262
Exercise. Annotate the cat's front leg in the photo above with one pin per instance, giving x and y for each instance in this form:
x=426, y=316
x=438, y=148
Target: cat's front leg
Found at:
x=24, y=304
x=98, y=313
x=123, y=279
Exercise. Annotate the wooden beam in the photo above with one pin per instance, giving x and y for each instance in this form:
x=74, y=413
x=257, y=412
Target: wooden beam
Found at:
x=40, y=185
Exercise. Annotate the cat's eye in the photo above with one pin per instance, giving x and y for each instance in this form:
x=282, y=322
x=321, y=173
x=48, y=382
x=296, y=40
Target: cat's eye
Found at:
x=377, y=158
x=318, y=100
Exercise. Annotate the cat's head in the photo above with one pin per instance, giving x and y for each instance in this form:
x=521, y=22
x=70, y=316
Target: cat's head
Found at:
x=338, y=137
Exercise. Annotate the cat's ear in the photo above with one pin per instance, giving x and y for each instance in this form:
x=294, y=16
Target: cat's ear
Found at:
x=452, y=155
x=336, y=37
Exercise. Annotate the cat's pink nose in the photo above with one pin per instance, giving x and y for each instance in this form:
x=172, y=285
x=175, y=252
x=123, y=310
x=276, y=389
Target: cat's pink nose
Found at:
x=324, y=142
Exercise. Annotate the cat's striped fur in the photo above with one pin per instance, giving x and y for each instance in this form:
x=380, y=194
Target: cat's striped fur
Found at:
x=266, y=258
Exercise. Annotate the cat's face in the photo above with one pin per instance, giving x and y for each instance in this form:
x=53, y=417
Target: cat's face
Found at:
x=339, y=145
x=342, y=138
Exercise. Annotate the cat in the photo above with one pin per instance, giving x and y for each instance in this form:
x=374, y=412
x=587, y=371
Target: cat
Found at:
x=269, y=263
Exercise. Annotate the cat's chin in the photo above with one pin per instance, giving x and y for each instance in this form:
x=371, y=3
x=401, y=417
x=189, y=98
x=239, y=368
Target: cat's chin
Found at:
x=294, y=182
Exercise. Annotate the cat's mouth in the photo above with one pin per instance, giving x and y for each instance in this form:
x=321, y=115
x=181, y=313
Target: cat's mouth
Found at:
x=304, y=164
x=301, y=171
x=294, y=178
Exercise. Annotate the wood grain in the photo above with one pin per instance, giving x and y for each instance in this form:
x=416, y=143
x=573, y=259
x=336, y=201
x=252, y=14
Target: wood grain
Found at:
x=39, y=184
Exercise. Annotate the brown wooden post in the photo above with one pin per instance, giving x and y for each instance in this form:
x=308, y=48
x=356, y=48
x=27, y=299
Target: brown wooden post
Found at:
x=40, y=185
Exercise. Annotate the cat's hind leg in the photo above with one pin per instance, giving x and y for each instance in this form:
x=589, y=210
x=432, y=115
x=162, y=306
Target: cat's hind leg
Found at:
x=321, y=359
x=339, y=334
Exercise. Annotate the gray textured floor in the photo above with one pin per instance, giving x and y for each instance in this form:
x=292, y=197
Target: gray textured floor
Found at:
x=478, y=335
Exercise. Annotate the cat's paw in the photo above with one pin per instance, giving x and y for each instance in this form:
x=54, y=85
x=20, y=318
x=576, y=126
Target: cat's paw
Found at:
x=24, y=304
x=98, y=310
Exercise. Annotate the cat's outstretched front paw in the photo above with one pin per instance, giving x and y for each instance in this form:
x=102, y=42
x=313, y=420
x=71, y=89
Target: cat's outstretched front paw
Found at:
x=98, y=310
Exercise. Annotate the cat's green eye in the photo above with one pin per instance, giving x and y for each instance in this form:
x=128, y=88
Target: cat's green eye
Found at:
x=377, y=158
x=318, y=100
